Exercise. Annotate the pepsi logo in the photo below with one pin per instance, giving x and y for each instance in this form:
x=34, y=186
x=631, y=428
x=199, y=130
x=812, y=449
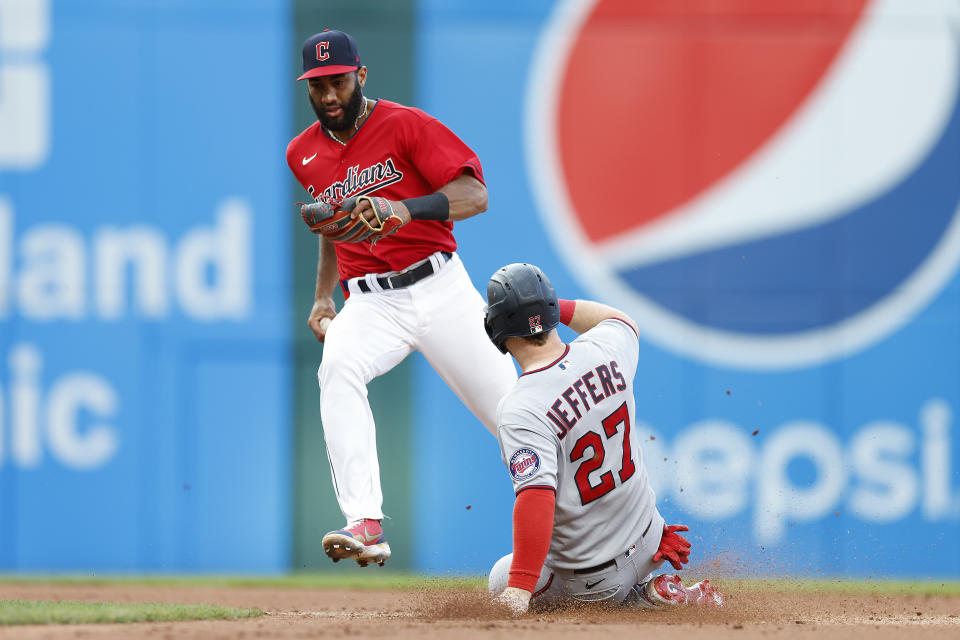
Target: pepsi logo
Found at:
x=761, y=185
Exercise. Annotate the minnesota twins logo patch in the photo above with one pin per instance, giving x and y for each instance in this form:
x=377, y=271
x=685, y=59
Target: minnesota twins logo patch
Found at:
x=524, y=464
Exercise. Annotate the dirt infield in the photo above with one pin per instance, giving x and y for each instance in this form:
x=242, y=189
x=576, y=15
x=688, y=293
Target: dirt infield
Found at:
x=465, y=614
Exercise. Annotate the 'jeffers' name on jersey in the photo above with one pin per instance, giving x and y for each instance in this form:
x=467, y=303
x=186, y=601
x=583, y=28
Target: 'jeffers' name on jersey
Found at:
x=585, y=388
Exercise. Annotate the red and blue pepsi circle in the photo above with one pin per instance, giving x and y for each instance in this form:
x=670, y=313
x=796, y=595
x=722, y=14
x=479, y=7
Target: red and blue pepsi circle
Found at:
x=766, y=185
x=524, y=464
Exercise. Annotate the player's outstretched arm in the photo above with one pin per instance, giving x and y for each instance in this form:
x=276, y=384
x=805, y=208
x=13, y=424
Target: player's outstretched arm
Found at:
x=324, y=309
x=587, y=314
x=533, y=514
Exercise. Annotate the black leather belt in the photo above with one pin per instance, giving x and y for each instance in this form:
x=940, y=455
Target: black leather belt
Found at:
x=599, y=567
x=407, y=278
x=610, y=563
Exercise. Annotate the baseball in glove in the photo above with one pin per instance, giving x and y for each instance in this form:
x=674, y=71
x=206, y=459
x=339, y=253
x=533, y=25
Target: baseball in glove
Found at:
x=334, y=220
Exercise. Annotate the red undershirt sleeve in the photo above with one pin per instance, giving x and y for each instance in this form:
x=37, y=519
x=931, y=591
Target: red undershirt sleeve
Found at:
x=567, y=308
x=532, y=529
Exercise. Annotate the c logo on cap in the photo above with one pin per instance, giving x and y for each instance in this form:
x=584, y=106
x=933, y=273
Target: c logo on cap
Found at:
x=322, y=50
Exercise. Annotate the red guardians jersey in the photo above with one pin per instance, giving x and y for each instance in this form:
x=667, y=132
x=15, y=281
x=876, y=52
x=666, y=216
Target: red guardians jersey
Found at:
x=398, y=152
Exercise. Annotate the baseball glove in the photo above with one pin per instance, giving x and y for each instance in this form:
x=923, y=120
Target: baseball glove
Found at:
x=332, y=219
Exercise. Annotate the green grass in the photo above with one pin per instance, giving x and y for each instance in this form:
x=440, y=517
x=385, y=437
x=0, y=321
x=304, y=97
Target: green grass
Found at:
x=358, y=579
x=384, y=580
x=15, y=612
x=878, y=587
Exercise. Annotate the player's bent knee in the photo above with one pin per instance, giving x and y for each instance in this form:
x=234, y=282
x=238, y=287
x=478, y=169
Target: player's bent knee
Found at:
x=499, y=575
x=340, y=371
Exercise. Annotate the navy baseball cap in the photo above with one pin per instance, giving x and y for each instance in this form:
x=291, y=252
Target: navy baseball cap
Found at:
x=328, y=53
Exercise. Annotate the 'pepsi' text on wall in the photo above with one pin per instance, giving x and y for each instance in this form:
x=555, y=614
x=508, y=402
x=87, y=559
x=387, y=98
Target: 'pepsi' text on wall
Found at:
x=885, y=472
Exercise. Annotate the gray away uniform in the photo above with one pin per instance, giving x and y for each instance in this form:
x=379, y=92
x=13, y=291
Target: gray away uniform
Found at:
x=569, y=427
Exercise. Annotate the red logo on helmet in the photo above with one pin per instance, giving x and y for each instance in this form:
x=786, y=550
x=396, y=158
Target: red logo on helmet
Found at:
x=535, y=326
x=322, y=53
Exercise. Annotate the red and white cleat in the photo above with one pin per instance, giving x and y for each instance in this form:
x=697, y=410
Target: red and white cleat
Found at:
x=362, y=541
x=664, y=591
x=704, y=594
x=667, y=591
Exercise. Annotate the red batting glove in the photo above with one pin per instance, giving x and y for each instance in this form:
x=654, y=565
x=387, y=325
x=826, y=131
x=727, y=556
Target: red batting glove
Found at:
x=673, y=547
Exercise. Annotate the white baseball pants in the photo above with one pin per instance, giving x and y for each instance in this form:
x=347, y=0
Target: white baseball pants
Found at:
x=442, y=317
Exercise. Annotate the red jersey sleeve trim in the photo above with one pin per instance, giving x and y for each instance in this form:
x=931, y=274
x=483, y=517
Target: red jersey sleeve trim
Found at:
x=477, y=171
x=532, y=529
x=567, y=307
x=469, y=167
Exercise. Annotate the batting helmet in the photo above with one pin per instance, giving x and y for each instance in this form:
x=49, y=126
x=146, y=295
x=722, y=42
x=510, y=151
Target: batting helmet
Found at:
x=520, y=302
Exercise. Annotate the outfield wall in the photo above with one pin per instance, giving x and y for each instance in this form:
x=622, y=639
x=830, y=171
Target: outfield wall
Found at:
x=770, y=189
x=145, y=393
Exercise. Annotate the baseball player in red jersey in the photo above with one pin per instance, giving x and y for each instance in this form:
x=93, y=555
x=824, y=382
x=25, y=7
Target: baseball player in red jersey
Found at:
x=585, y=523
x=406, y=291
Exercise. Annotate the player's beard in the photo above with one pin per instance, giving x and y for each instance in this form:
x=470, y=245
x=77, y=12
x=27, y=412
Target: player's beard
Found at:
x=350, y=112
